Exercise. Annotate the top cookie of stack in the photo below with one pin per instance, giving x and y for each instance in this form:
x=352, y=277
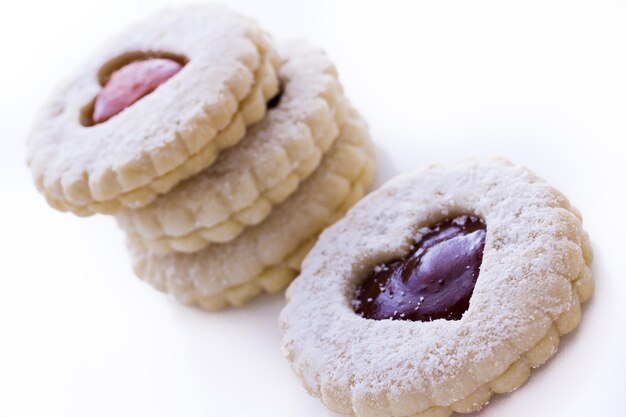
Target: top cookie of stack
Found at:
x=154, y=106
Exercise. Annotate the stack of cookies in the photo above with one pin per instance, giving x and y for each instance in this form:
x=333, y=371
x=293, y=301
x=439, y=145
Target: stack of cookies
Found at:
x=222, y=155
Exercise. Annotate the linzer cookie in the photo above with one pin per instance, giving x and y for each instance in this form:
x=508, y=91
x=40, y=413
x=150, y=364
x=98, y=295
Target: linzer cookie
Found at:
x=154, y=106
x=437, y=290
x=267, y=256
x=265, y=168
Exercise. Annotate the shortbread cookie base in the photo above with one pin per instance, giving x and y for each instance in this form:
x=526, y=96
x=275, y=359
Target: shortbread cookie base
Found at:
x=267, y=256
x=377, y=368
x=171, y=134
x=265, y=168
x=518, y=372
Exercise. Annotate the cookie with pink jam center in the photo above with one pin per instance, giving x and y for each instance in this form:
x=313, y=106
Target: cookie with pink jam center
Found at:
x=153, y=107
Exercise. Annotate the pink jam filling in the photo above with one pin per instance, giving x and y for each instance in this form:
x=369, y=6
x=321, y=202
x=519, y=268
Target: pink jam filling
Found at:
x=130, y=83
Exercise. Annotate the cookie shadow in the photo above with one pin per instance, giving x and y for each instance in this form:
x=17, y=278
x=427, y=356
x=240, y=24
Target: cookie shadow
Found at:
x=385, y=167
x=264, y=310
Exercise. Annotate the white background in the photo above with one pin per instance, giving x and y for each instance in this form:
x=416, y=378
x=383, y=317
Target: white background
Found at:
x=540, y=82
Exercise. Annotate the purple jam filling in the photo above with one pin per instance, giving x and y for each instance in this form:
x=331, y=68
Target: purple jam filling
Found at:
x=434, y=281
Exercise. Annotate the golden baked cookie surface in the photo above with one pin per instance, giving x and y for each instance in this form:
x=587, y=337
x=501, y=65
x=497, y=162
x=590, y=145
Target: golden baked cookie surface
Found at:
x=267, y=256
x=264, y=169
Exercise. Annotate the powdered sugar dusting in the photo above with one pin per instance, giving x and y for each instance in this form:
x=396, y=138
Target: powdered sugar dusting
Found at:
x=386, y=367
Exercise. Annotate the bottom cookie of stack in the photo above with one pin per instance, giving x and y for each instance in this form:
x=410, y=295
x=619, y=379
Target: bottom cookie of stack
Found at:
x=267, y=257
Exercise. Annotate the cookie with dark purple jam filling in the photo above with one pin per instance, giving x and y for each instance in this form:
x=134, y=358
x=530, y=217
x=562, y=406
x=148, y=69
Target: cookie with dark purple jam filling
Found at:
x=437, y=290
